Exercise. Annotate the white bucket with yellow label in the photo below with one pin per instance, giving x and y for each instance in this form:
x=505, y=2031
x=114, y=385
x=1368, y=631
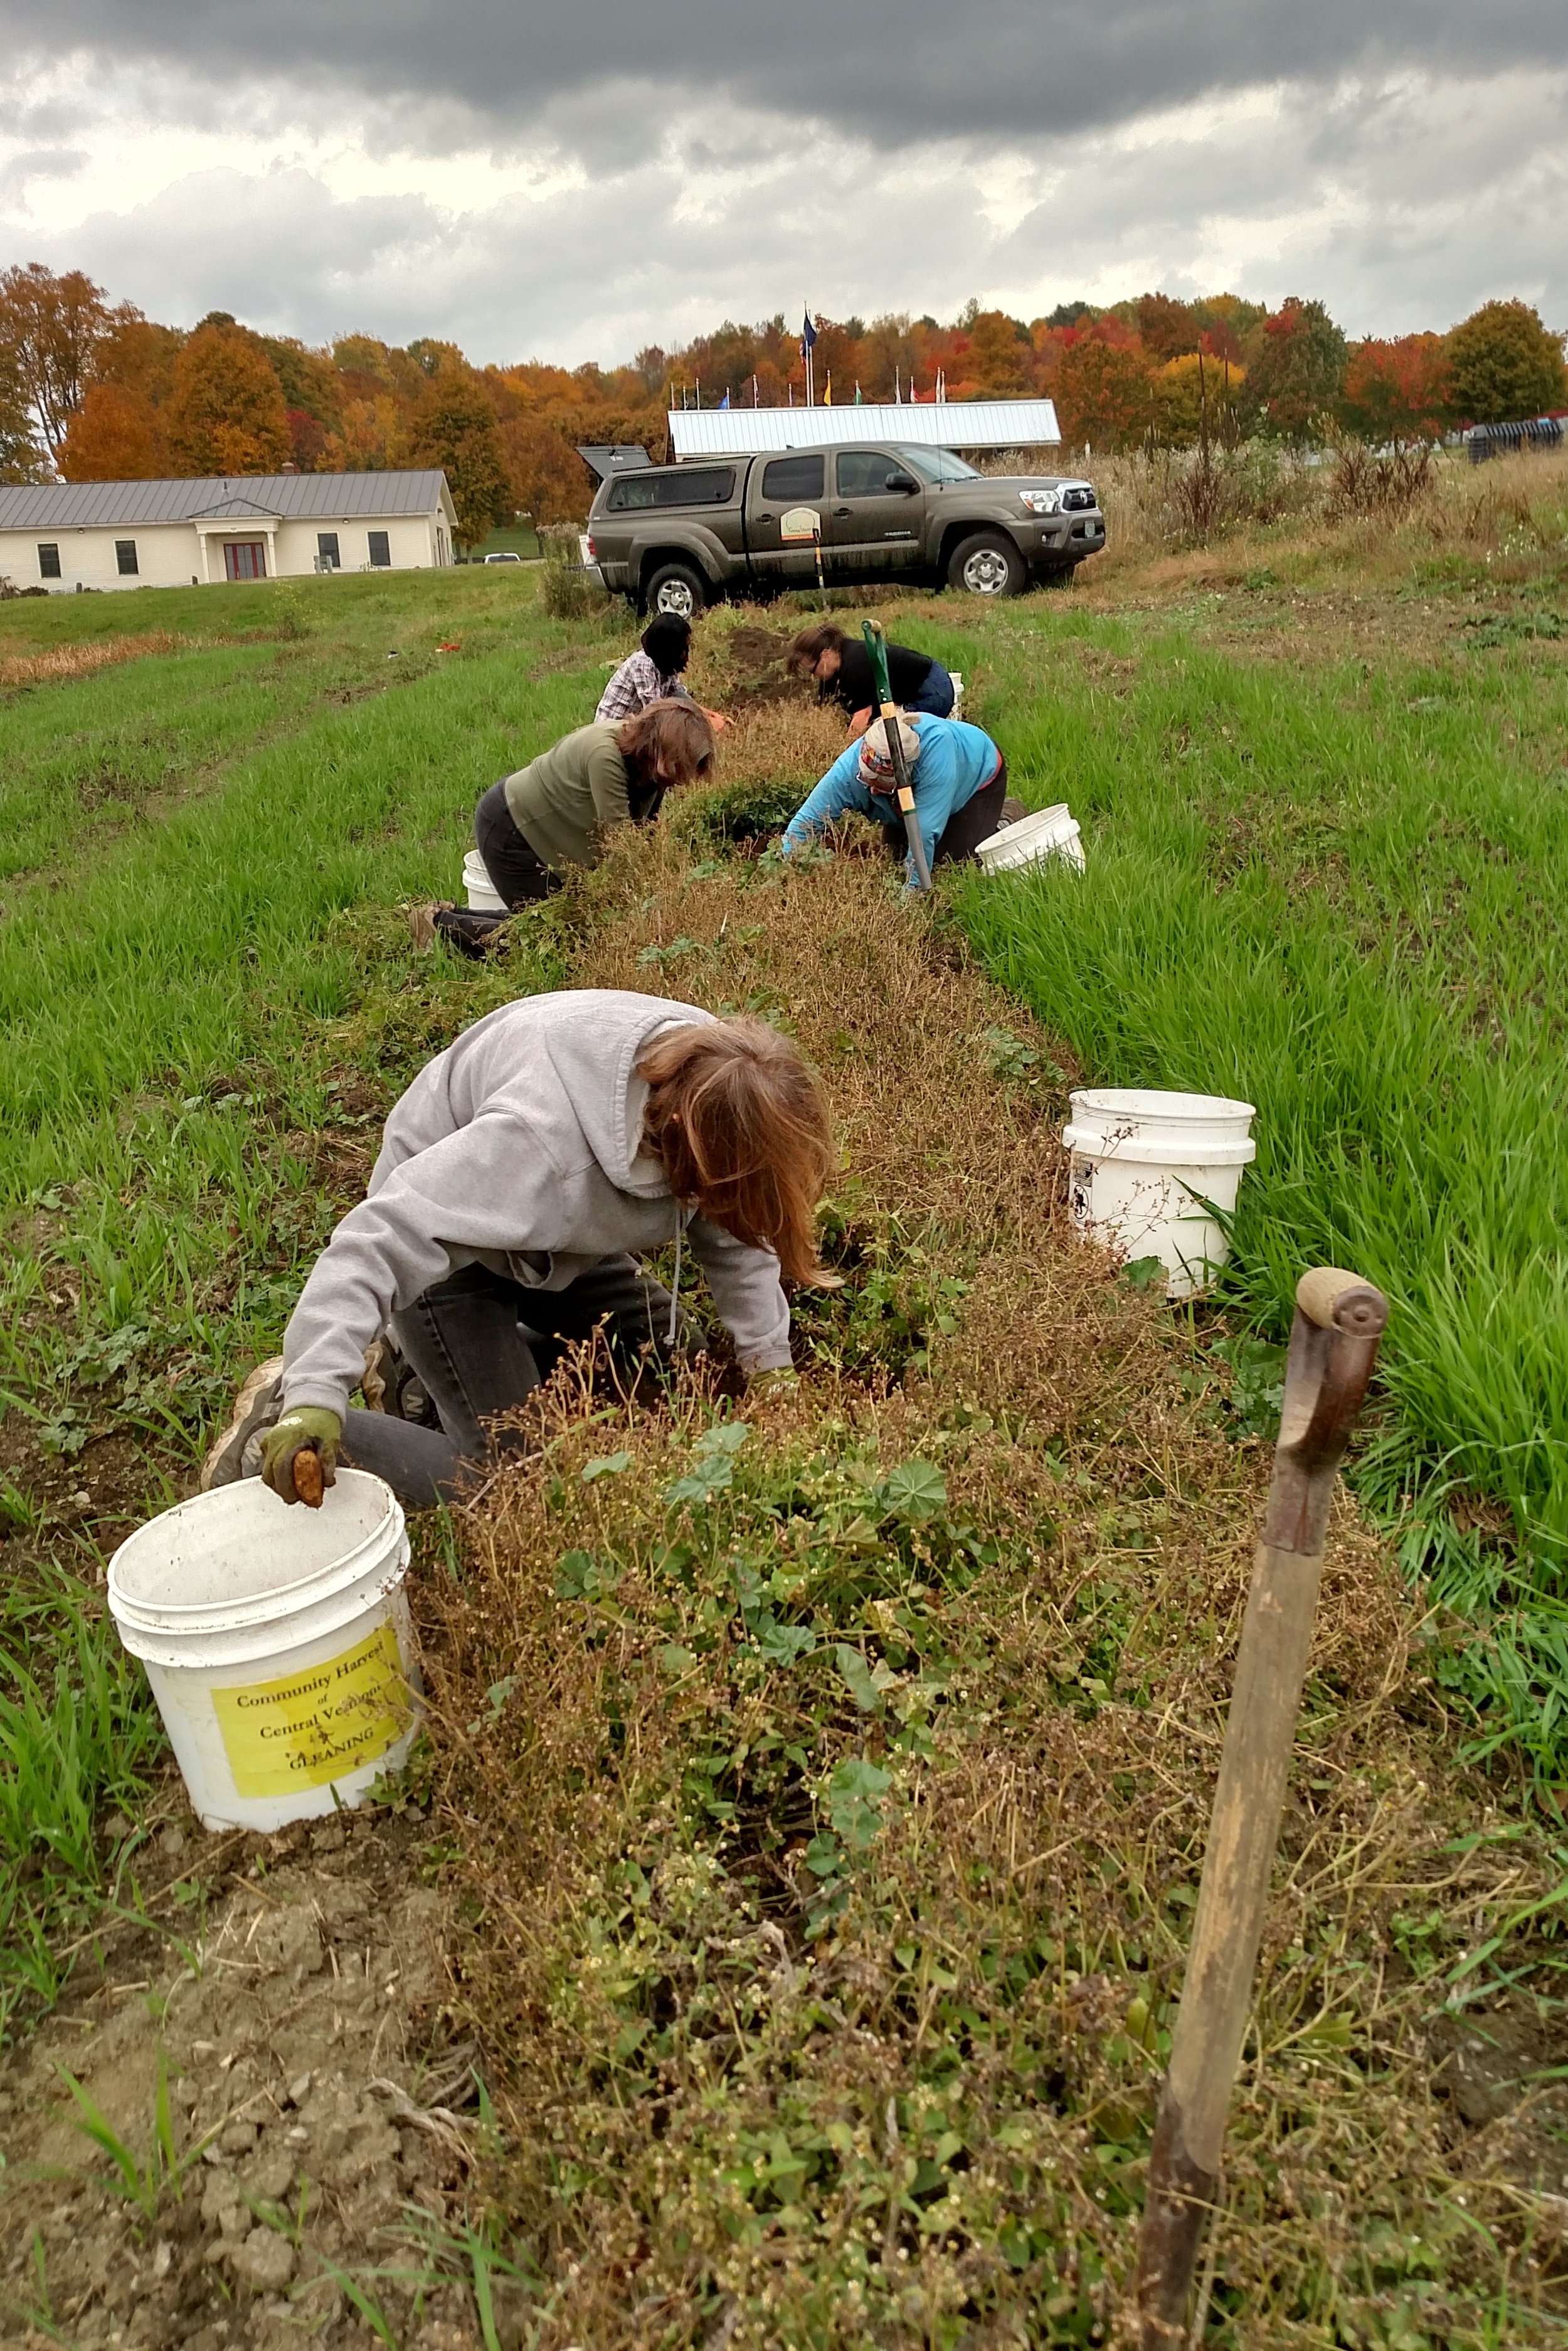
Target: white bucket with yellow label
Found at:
x=277, y=1643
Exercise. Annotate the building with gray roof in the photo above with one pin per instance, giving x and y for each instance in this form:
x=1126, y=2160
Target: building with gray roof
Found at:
x=62, y=536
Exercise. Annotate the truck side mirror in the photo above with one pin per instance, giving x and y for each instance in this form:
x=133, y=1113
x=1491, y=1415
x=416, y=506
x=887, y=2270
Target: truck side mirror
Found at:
x=900, y=481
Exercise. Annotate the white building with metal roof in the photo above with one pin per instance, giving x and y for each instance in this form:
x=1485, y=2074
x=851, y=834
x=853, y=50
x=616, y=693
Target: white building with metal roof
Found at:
x=65, y=536
x=924, y=423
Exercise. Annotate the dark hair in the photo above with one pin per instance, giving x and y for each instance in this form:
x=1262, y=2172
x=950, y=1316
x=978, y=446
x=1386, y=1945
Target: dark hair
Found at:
x=810, y=646
x=738, y=1119
x=670, y=742
x=667, y=641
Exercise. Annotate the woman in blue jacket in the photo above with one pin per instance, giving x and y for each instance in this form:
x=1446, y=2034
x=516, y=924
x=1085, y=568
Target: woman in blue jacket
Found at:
x=958, y=776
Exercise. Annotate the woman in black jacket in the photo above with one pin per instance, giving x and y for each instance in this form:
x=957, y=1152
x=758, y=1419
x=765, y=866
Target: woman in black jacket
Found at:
x=841, y=667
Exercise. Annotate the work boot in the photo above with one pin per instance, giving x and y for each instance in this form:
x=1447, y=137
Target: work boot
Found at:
x=237, y=1452
x=1013, y=810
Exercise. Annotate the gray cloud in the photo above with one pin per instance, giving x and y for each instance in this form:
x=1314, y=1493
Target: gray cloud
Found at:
x=900, y=74
x=1386, y=201
x=45, y=163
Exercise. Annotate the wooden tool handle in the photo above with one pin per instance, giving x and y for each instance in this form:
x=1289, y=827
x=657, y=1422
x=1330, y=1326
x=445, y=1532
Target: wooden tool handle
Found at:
x=1340, y=1317
x=1333, y=1347
x=1335, y=1299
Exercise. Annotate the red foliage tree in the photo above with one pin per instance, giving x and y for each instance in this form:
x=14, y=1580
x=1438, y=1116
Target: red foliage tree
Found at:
x=1397, y=390
x=1102, y=392
x=307, y=438
x=1166, y=328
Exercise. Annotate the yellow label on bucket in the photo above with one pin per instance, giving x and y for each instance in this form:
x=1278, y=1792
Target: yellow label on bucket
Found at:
x=318, y=1724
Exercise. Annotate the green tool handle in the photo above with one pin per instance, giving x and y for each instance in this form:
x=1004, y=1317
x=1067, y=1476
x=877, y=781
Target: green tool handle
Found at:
x=876, y=652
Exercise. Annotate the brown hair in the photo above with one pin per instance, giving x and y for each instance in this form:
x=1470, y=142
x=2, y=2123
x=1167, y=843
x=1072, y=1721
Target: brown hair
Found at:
x=810, y=646
x=737, y=1115
x=670, y=742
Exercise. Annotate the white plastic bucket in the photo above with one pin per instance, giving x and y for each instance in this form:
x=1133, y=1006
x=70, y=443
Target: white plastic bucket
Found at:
x=482, y=894
x=1143, y=1165
x=1051, y=832
x=277, y=1643
x=958, y=677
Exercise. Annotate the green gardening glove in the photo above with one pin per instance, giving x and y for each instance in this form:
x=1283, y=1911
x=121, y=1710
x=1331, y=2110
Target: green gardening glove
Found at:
x=308, y=1428
x=779, y=1381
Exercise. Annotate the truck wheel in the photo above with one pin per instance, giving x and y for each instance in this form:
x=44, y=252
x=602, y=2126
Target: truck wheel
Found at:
x=676, y=588
x=987, y=565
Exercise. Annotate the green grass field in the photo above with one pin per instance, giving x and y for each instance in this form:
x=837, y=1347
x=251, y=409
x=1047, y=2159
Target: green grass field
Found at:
x=1324, y=832
x=1337, y=892
x=175, y=953
x=1330, y=886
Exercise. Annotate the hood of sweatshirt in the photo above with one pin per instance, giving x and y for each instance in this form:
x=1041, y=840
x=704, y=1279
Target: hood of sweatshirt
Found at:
x=594, y=1038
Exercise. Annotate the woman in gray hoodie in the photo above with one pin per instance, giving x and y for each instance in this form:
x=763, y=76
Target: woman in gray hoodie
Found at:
x=520, y=1176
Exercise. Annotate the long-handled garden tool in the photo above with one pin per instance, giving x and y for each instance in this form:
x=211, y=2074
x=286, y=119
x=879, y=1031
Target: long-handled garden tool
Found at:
x=1333, y=1346
x=876, y=650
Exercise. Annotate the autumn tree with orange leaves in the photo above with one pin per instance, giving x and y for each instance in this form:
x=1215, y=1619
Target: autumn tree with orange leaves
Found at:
x=453, y=426
x=1398, y=390
x=50, y=329
x=97, y=392
x=114, y=436
x=1102, y=394
x=226, y=412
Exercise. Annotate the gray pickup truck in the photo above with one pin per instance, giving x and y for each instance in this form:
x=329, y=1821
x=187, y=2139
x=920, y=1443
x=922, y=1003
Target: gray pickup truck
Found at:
x=676, y=537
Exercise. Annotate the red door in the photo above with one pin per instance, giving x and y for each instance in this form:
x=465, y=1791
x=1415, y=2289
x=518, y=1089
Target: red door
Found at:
x=245, y=558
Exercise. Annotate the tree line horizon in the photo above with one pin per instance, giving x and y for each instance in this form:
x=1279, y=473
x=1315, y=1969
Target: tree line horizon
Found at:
x=95, y=391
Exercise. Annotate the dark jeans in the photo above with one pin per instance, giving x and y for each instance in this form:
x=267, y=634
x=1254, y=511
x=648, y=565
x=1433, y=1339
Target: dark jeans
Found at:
x=935, y=695
x=513, y=865
x=465, y=1343
x=974, y=821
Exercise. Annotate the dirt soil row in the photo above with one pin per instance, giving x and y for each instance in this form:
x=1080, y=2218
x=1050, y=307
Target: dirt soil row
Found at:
x=319, y=2111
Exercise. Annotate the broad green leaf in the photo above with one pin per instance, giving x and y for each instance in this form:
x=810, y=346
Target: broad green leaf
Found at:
x=724, y=1436
x=856, y=1792
x=782, y=1643
x=578, y=1577
x=608, y=1465
x=916, y=1490
x=865, y=1684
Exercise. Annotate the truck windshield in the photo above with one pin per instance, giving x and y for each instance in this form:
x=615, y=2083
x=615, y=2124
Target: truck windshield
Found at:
x=937, y=464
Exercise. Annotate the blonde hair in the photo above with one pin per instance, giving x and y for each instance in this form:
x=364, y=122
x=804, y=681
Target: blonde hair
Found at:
x=737, y=1116
x=670, y=742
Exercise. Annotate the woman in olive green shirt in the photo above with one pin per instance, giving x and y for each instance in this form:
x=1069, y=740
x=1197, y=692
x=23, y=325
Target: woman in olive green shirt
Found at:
x=533, y=827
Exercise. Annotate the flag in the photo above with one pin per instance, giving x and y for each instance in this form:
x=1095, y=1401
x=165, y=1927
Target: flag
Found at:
x=828, y=395
x=808, y=334
x=725, y=402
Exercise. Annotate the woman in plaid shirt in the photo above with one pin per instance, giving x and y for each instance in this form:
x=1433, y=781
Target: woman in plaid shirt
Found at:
x=651, y=676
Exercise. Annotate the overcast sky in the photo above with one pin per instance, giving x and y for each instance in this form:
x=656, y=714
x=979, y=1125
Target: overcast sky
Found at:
x=570, y=182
